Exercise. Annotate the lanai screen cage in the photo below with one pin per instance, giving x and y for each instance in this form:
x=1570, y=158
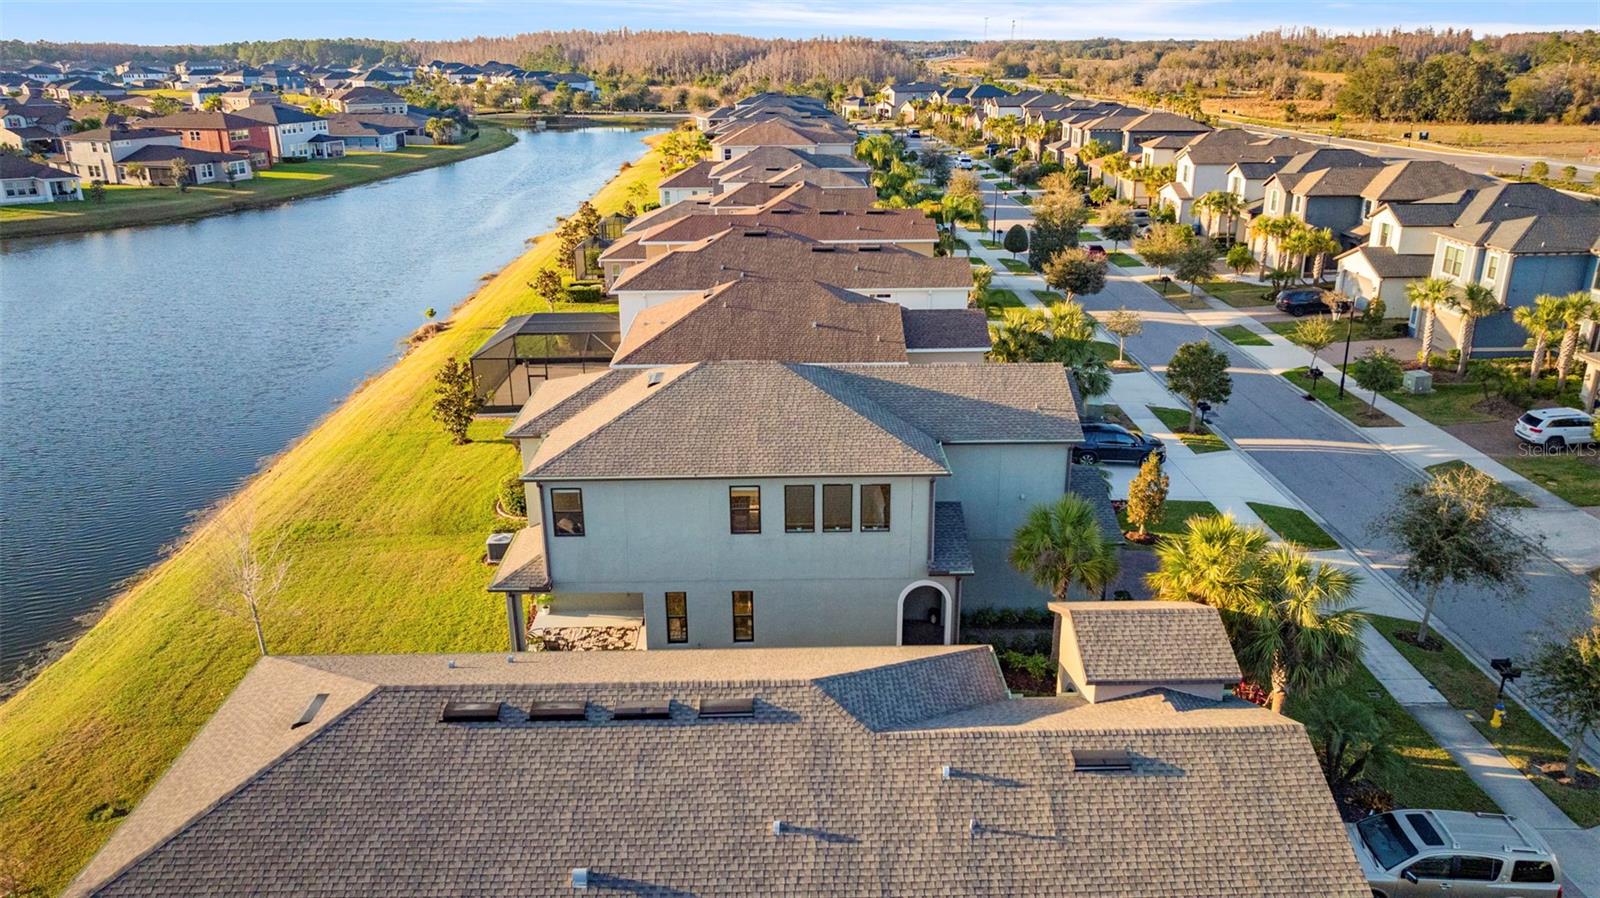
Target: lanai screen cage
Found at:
x=534, y=348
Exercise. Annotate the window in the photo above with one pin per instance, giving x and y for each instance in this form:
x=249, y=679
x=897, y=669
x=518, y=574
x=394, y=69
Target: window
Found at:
x=1383, y=234
x=836, y=511
x=566, y=508
x=1491, y=267
x=1454, y=256
x=1477, y=869
x=1533, y=871
x=1299, y=202
x=1431, y=868
x=799, y=508
x=677, y=617
x=1273, y=200
x=744, y=509
x=874, y=507
x=239, y=135
x=744, y=616
x=194, y=135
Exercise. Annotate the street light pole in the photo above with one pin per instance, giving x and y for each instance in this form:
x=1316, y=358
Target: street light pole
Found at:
x=994, y=211
x=1349, y=330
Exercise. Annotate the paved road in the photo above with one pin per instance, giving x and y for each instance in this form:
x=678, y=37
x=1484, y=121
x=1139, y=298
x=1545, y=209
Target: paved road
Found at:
x=1344, y=478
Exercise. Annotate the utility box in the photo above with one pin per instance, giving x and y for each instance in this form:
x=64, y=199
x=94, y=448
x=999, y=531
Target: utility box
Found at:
x=494, y=548
x=1418, y=382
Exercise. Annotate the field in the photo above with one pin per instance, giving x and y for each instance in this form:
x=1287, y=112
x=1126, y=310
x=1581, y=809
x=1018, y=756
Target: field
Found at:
x=383, y=520
x=125, y=205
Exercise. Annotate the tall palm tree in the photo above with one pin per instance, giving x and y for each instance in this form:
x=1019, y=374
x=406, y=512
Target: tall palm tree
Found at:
x=1576, y=308
x=1297, y=244
x=1061, y=544
x=1542, y=320
x=1474, y=301
x=1427, y=296
x=1209, y=563
x=1299, y=633
x=1018, y=337
x=1320, y=243
x=1223, y=204
x=1272, y=228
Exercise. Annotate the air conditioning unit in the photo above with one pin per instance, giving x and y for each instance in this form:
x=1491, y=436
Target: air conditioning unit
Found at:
x=494, y=548
x=1418, y=382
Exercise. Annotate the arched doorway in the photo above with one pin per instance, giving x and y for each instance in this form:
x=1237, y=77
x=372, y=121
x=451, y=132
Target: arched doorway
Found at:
x=924, y=614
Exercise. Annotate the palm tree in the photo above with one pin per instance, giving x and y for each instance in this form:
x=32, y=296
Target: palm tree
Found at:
x=1018, y=337
x=1209, y=563
x=1320, y=243
x=1270, y=228
x=1427, y=296
x=1061, y=544
x=1223, y=204
x=1297, y=243
x=1473, y=302
x=1542, y=320
x=1299, y=633
x=1576, y=308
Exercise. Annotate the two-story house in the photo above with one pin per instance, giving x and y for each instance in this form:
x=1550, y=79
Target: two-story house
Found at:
x=295, y=133
x=724, y=504
x=880, y=271
x=356, y=100
x=809, y=136
x=93, y=155
x=222, y=132
x=1202, y=165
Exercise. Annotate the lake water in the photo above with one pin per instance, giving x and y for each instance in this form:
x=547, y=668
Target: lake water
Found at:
x=145, y=372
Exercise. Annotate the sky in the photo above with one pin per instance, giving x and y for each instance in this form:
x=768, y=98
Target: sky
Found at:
x=217, y=21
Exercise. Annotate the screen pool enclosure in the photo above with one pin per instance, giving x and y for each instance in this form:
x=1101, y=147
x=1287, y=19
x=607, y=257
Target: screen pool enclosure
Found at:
x=534, y=348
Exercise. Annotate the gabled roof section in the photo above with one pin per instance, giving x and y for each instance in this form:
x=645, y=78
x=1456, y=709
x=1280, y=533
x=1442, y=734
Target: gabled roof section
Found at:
x=558, y=399
x=1146, y=642
x=1416, y=179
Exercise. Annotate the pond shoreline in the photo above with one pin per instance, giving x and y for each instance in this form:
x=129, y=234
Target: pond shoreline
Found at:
x=490, y=139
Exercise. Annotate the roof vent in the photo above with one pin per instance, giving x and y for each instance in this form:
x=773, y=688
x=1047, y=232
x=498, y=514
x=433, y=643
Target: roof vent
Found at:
x=822, y=249
x=652, y=379
x=540, y=712
x=641, y=711
x=1097, y=761
x=311, y=711
x=727, y=707
x=831, y=212
x=755, y=233
x=947, y=772
x=877, y=211
x=580, y=877
x=470, y=712
x=869, y=248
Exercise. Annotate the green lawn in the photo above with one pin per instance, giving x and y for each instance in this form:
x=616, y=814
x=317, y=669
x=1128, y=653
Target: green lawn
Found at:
x=1294, y=525
x=1175, y=516
x=1108, y=352
x=1521, y=739
x=1177, y=420
x=1388, y=329
x=125, y=205
x=1511, y=497
x=1354, y=404
x=990, y=244
x=1238, y=294
x=1087, y=237
x=1447, y=404
x=1123, y=260
x=1023, y=199
x=1016, y=266
x=1047, y=296
x=997, y=299
x=1425, y=775
x=1240, y=335
x=1005, y=184
x=383, y=519
x=1575, y=478
x=1176, y=294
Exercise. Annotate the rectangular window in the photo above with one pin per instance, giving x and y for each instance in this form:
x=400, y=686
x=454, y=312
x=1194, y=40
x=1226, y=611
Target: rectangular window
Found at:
x=744, y=616
x=744, y=509
x=836, y=511
x=1299, y=202
x=1477, y=869
x=1491, y=267
x=567, y=511
x=1454, y=256
x=799, y=508
x=874, y=507
x=677, y=617
x=1383, y=234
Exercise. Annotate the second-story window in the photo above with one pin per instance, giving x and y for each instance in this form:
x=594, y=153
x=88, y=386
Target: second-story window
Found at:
x=677, y=617
x=566, y=509
x=837, y=514
x=1454, y=256
x=1383, y=234
x=1491, y=267
x=744, y=509
x=799, y=508
x=874, y=507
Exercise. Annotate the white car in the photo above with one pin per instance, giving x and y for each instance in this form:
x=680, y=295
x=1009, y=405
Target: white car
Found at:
x=1555, y=428
x=964, y=162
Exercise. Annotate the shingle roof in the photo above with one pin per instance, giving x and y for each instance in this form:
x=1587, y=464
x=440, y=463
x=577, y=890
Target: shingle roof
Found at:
x=1147, y=642
x=1386, y=263
x=696, y=175
x=831, y=226
x=846, y=746
x=1415, y=179
x=120, y=134
x=277, y=114
x=367, y=95
x=1526, y=218
x=159, y=154
x=523, y=567
x=205, y=121
x=558, y=399
x=1090, y=484
x=935, y=329
x=774, y=255
x=23, y=167
x=776, y=132
x=952, y=554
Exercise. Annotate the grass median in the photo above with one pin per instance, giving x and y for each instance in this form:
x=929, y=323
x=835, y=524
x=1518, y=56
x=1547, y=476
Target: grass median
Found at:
x=1239, y=335
x=1353, y=407
x=1294, y=525
x=1177, y=420
x=383, y=519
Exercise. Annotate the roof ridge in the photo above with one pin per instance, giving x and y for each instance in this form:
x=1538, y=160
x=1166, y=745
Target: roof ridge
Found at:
x=826, y=372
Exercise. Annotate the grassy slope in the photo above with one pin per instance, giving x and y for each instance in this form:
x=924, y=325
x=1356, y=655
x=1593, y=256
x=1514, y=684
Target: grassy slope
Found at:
x=126, y=206
x=385, y=520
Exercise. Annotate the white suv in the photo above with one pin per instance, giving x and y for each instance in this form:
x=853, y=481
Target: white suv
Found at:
x=1555, y=428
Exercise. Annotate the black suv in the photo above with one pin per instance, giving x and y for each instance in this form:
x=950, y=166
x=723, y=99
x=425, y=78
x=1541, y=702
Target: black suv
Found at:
x=1302, y=301
x=1112, y=442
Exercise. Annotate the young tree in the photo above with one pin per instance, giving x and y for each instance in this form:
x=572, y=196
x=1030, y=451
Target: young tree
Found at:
x=1147, y=495
x=1472, y=302
x=1164, y=244
x=1194, y=262
x=1199, y=373
x=1566, y=679
x=95, y=192
x=249, y=571
x=212, y=103
x=180, y=174
x=1056, y=223
x=1453, y=528
x=1543, y=321
x=1315, y=334
x=1124, y=323
x=548, y=284
x=1016, y=240
x=1427, y=295
x=1116, y=225
x=1061, y=544
x=936, y=164
x=136, y=170
x=457, y=399
x=1073, y=271
x=1377, y=370
x=1239, y=258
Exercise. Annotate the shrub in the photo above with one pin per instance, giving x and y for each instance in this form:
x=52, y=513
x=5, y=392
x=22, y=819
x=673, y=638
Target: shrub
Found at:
x=514, y=496
x=586, y=293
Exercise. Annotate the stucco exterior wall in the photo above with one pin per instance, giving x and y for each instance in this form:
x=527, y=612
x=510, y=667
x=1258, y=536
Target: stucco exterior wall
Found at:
x=997, y=485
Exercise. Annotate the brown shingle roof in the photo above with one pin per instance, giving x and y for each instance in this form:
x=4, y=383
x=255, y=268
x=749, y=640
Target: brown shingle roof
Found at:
x=1147, y=642
x=846, y=746
x=833, y=226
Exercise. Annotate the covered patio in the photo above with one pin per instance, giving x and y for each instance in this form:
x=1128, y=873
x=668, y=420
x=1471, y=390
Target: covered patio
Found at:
x=530, y=349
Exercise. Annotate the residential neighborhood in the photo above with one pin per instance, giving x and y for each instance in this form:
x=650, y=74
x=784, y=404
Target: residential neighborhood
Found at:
x=924, y=467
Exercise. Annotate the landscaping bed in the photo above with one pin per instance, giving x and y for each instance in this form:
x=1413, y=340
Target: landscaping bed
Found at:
x=1240, y=335
x=1175, y=517
x=1387, y=329
x=1294, y=525
x=1522, y=739
x=1177, y=420
x=1352, y=406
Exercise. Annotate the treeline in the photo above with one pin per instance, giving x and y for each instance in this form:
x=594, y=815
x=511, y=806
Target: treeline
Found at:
x=341, y=51
x=1426, y=75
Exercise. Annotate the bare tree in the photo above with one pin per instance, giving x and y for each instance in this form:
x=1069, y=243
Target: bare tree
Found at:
x=251, y=569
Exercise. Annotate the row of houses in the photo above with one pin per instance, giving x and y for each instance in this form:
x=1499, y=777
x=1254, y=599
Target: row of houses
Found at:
x=773, y=514
x=87, y=79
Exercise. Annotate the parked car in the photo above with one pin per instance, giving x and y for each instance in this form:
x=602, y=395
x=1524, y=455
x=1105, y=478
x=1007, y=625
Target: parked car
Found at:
x=1302, y=301
x=964, y=162
x=1407, y=853
x=914, y=132
x=1113, y=442
x=1095, y=251
x=1140, y=216
x=1555, y=428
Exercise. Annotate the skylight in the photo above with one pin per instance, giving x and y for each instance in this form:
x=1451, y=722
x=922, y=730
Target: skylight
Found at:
x=1098, y=761
x=469, y=712
x=642, y=711
x=546, y=711
x=727, y=707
